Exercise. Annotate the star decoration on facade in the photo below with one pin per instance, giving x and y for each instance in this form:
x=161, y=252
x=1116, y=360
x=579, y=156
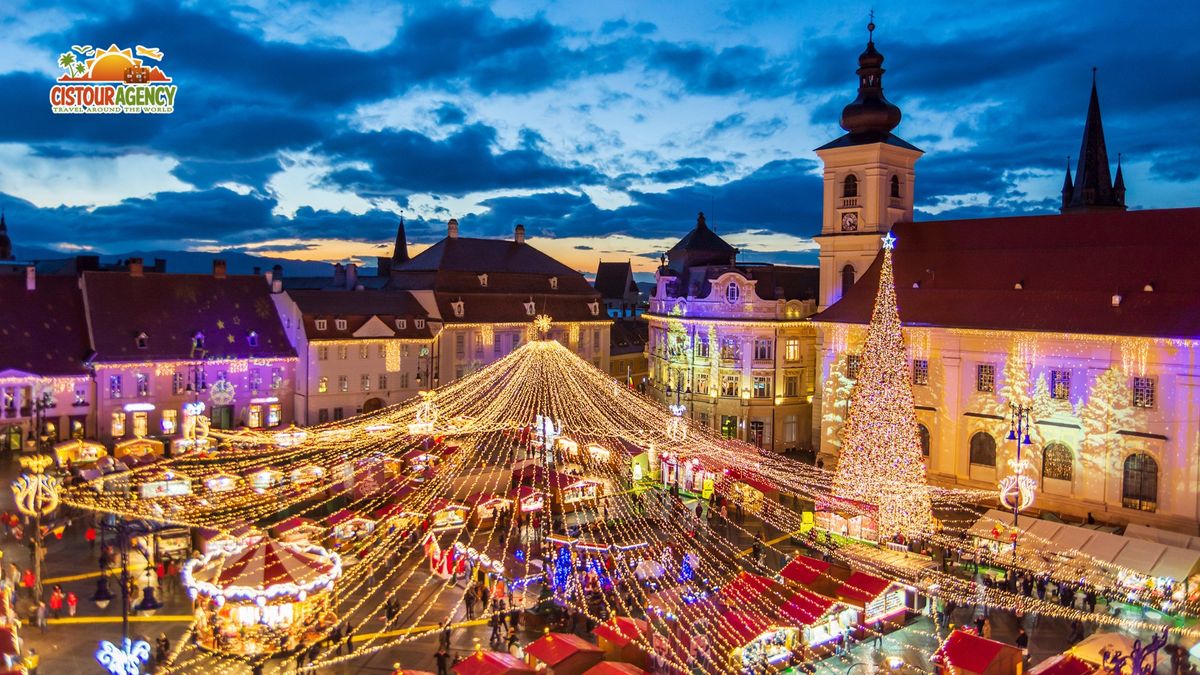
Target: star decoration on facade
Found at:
x=220, y=324
x=541, y=323
x=889, y=242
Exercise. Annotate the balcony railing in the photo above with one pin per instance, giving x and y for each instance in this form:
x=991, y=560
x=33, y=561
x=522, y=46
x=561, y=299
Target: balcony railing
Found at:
x=848, y=202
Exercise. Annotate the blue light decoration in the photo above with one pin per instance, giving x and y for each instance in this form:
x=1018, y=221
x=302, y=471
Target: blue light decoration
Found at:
x=519, y=554
x=127, y=660
x=562, y=567
x=685, y=570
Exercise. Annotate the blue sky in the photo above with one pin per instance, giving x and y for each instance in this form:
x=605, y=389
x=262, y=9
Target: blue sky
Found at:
x=304, y=130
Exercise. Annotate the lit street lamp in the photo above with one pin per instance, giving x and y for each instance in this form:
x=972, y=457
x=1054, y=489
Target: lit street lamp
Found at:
x=126, y=657
x=1017, y=490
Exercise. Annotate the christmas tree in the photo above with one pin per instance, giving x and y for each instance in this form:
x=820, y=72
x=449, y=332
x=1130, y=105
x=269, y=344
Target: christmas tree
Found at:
x=880, y=463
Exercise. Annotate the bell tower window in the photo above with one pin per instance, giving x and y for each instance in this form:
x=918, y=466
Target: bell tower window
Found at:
x=850, y=186
x=895, y=187
x=847, y=278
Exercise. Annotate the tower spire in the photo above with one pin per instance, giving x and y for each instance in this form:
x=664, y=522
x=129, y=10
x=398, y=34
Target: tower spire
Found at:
x=870, y=117
x=400, y=250
x=6, y=252
x=1093, y=188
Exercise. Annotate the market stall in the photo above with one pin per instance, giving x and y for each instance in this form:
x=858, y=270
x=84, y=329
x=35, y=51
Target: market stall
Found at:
x=614, y=668
x=562, y=654
x=137, y=447
x=491, y=663
x=750, y=492
x=214, y=541
x=221, y=482
x=445, y=514
x=878, y=600
x=485, y=507
x=264, y=478
x=346, y=525
x=1063, y=664
x=529, y=499
x=164, y=483
x=77, y=453
x=395, y=517
x=804, y=570
x=262, y=597
x=624, y=639
x=759, y=646
x=306, y=474
x=965, y=653
x=822, y=620
x=298, y=530
x=574, y=493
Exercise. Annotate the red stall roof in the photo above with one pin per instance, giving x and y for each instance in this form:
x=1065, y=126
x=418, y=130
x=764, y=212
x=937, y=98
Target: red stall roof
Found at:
x=863, y=587
x=1063, y=664
x=554, y=648
x=491, y=663
x=622, y=630
x=743, y=626
x=804, y=570
x=967, y=651
x=746, y=587
x=613, y=668
x=806, y=607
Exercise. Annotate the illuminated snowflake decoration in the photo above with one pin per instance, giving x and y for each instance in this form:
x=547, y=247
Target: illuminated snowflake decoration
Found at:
x=1017, y=490
x=677, y=425
x=127, y=660
x=542, y=323
x=36, y=494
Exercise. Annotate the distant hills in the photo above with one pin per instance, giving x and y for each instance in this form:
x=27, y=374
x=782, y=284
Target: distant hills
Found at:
x=190, y=262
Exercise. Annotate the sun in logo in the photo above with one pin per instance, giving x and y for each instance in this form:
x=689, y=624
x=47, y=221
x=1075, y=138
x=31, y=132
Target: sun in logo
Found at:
x=110, y=65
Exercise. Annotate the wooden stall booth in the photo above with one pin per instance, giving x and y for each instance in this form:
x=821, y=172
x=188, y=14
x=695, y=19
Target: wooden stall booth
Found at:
x=623, y=639
x=562, y=654
x=965, y=653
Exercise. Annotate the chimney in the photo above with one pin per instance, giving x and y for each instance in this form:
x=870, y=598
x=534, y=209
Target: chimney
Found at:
x=519, y=234
x=269, y=275
x=276, y=286
x=30, y=278
x=136, y=269
x=160, y=265
x=257, y=270
x=351, y=276
x=383, y=266
x=452, y=228
x=339, y=276
x=219, y=268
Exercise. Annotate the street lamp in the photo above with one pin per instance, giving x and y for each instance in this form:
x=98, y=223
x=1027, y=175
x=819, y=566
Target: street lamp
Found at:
x=1017, y=489
x=126, y=656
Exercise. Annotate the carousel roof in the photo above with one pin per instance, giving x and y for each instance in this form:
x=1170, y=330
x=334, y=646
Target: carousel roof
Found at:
x=267, y=563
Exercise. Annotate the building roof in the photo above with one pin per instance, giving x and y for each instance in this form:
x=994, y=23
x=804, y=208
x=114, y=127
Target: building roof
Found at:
x=622, y=630
x=628, y=336
x=863, y=587
x=847, y=140
x=476, y=255
x=490, y=663
x=359, y=308
x=1093, y=187
x=43, y=331
x=964, y=651
x=806, y=607
x=775, y=282
x=615, y=279
x=804, y=570
x=700, y=246
x=965, y=273
x=554, y=648
x=613, y=668
x=172, y=308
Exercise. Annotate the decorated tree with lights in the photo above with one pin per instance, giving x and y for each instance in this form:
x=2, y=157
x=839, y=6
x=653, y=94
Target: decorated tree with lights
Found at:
x=1105, y=412
x=880, y=463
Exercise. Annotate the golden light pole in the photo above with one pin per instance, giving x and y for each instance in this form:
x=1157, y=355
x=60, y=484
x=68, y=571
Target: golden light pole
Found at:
x=36, y=494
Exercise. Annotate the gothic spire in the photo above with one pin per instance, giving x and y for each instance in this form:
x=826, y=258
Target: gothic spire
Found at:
x=1068, y=188
x=1093, y=188
x=1119, y=183
x=400, y=251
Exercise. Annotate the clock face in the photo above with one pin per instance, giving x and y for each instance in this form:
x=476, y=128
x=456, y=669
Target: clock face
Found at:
x=849, y=222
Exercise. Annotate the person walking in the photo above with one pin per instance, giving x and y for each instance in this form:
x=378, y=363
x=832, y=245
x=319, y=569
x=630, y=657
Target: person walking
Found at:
x=90, y=535
x=1023, y=642
x=40, y=615
x=72, y=603
x=56, y=602
x=28, y=583
x=162, y=649
x=442, y=657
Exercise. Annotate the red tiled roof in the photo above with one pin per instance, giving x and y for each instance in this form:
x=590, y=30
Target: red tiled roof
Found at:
x=804, y=570
x=510, y=307
x=863, y=587
x=554, y=648
x=1063, y=664
x=491, y=663
x=613, y=668
x=357, y=308
x=621, y=630
x=1069, y=267
x=968, y=652
x=742, y=627
x=171, y=308
x=44, y=331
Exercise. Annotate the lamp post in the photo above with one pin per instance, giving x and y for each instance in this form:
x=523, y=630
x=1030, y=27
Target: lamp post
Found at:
x=127, y=656
x=1016, y=490
x=36, y=495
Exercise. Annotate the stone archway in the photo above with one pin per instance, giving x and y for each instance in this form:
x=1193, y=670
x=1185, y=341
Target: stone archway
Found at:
x=372, y=404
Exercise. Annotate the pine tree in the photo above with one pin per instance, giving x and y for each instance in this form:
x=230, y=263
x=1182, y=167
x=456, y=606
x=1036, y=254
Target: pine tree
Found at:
x=880, y=463
x=1105, y=412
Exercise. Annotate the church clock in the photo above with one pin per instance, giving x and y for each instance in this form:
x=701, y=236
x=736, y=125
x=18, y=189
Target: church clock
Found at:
x=849, y=222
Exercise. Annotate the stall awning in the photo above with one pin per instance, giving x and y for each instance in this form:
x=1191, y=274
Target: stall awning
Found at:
x=622, y=630
x=863, y=587
x=804, y=570
x=1139, y=556
x=806, y=608
x=1176, y=563
x=965, y=651
x=340, y=517
x=554, y=648
x=742, y=626
x=984, y=526
x=746, y=588
x=491, y=663
x=1146, y=533
x=1104, y=546
x=1063, y=664
x=1071, y=538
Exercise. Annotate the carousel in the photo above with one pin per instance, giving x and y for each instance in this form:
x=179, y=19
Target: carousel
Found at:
x=263, y=597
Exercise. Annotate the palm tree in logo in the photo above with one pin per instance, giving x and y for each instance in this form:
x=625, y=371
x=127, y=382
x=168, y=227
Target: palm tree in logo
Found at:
x=66, y=61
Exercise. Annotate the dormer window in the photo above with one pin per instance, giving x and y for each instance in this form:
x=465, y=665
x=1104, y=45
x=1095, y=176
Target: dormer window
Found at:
x=483, y=280
x=340, y=323
x=401, y=324
x=198, y=340
x=458, y=307
x=252, y=338
x=850, y=186
x=321, y=324
x=530, y=308
x=141, y=340
x=594, y=307
x=732, y=292
x=554, y=283
x=419, y=323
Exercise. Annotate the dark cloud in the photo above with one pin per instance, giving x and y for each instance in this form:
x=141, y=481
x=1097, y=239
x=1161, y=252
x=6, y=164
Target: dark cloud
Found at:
x=690, y=168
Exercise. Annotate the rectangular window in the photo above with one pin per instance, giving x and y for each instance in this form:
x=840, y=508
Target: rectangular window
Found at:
x=364, y=351
x=762, y=350
x=178, y=384
x=143, y=384
x=729, y=425
x=321, y=324
x=343, y=352
x=516, y=341
x=460, y=345
x=791, y=385
x=322, y=353
x=853, y=363
x=404, y=380
x=340, y=323
x=383, y=382
x=791, y=349
x=276, y=379
x=729, y=385
x=1143, y=392
x=118, y=424
x=255, y=381
x=757, y=433
x=762, y=386
x=920, y=371
x=702, y=384
x=401, y=324
x=254, y=417
x=381, y=350
x=274, y=414
x=789, y=429
x=323, y=384
x=496, y=348
x=702, y=346
x=404, y=351
x=366, y=382
x=479, y=345
x=81, y=395
x=170, y=422
x=596, y=340
x=343, y=383
x=985, y=378
x=419, y=323
x=703, y=417
x=731, y=349
x=114, y=391
x=1060, y=385
x=338, y=414
x=322, y=415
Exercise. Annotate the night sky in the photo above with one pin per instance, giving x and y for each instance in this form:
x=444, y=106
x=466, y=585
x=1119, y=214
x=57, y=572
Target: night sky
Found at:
x=303, y=130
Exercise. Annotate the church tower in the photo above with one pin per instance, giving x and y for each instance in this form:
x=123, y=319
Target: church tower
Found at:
x=6, y=252
x=1093, y=188
x=868, y=180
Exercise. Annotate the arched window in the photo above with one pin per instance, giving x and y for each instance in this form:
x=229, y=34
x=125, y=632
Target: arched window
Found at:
x=1139, y=485
x=983, y=449
x=850, y=186
x=923, y=432
x=732, y=292
x=895, y=187
x=847, y=278
x=1058, y=462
